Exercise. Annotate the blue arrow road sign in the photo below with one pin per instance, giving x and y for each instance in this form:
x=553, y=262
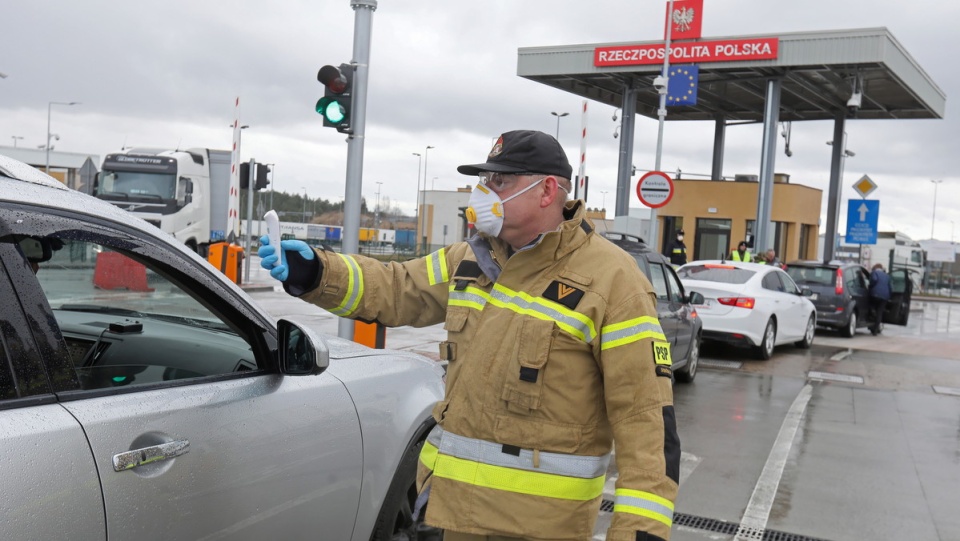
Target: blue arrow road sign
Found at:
x=862, y=215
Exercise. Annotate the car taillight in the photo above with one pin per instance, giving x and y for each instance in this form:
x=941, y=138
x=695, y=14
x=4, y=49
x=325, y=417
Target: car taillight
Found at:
x=739, y=302
x=839, y=287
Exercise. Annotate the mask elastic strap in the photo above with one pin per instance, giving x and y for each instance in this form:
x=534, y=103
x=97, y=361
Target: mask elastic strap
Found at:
x=525, y=190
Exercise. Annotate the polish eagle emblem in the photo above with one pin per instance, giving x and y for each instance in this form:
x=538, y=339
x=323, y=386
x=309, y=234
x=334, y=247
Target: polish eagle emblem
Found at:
x=683, y=18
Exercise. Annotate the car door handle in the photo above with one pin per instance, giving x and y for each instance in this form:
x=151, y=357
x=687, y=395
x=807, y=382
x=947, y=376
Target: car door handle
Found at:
x=148, y=455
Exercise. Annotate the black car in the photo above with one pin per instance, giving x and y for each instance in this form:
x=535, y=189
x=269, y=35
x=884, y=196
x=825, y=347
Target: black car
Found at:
x=677, y=317
x=840, y=293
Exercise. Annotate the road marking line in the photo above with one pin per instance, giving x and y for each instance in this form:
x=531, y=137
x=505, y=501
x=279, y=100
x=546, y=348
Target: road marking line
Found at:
x=829, y=376
x=721, y=364
x=939, y=389
x=841, y=355
x=761, y=502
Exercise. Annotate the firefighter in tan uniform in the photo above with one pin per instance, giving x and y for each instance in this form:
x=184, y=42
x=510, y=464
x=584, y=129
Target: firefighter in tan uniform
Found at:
x=554, y=351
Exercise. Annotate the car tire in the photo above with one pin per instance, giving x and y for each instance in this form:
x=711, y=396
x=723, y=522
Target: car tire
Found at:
x=808, y=333
x=765, y=349
x=851, y=328
x=689, y=370
x=395, y=521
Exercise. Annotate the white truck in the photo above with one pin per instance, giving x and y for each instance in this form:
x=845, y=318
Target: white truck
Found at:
x=183, y=192
x=896, y=250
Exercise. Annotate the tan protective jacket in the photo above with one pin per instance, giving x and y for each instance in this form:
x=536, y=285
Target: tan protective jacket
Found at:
x=548, y=365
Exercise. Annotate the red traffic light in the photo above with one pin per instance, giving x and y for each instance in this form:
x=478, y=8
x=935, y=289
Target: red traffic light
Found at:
x=333, y=79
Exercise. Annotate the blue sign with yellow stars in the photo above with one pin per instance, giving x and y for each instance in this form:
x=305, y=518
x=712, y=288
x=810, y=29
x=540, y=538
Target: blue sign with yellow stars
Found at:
x=682, y=85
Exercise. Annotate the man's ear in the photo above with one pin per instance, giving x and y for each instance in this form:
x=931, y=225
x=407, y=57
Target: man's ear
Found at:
x=551, y=189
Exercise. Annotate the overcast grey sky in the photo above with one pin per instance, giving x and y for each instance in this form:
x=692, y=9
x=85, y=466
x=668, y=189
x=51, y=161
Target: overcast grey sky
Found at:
x=443, y=73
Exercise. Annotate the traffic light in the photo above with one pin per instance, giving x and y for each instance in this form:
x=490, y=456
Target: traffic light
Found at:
x=337, y=101
x=260, y=180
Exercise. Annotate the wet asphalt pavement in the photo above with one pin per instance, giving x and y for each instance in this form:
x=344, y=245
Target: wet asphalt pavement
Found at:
x=854, y=439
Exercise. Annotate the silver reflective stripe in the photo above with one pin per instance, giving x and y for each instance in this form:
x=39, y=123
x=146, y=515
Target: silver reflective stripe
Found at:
x=467, y=297
x=581, y=328
x=632, y=330
x=641, y=503
x=485, y=452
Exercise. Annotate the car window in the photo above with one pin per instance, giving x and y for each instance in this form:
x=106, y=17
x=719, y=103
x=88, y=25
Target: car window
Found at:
x=771, y=282
x=659, y=281
x=128, y=320
x=789, y=285
x=7, y=388
x=676, y=290
x=804, y=275
x=726, y=274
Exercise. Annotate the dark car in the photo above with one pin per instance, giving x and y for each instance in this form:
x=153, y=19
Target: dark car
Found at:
x=678, y=318
x=840, y=293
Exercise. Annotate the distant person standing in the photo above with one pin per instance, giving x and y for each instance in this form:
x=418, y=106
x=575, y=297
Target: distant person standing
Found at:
x=741, y=254
x=677, y=250
x=770, y=258
x=880, y=293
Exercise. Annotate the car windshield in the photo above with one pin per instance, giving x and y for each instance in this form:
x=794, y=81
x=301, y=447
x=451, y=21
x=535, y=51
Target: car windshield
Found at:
x=726, y=274
x=825, y=276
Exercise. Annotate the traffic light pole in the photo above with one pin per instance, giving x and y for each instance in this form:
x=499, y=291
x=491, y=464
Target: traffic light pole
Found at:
x=362, y=29
x=251, y=189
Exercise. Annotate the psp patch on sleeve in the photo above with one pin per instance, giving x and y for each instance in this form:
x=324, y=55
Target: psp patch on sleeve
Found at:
x=661, y=354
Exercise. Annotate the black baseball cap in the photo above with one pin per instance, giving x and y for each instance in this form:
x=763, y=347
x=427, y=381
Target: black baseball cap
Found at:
x=524, y=151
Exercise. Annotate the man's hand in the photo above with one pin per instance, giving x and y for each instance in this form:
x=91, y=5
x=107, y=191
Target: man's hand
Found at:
x=299, y=269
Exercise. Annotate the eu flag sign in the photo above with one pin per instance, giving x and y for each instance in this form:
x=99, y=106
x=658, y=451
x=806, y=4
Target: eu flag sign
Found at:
x=682, y=85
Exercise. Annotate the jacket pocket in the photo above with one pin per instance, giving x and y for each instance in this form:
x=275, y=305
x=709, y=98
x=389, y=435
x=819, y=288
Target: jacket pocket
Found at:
x=526, y=370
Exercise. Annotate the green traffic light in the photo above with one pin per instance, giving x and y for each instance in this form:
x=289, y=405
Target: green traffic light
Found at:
x=331, y=110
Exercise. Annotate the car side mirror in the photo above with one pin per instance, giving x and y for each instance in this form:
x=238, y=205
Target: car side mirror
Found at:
x=695, y=298
x=806, y=292
x=301, y=351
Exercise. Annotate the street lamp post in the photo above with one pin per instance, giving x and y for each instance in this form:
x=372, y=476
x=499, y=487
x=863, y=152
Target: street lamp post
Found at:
x=15, y=138
x=377, y=214
x=46, y=168
x=303, y=214
x=933, y=222
x=604, y=192
x=416, y=203
x=559, y=116
x=423, y=215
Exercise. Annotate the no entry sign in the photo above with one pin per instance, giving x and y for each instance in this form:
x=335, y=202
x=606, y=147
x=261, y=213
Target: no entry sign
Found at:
x=655, y=189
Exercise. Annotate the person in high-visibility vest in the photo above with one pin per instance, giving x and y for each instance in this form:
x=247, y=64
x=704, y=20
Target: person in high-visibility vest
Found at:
x=741, y=254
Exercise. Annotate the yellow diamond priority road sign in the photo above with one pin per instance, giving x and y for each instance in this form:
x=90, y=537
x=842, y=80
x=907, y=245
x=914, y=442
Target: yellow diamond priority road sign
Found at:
x=864, y=186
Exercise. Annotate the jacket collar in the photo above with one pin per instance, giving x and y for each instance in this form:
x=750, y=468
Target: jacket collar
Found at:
x=572, y=233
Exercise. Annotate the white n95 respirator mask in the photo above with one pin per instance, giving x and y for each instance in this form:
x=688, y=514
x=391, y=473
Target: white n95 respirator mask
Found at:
x=485, y=210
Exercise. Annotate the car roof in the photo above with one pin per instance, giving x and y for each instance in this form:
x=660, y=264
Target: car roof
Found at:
x=833, y=264
x=736, y=264
x=634, y=245
x=22, y=183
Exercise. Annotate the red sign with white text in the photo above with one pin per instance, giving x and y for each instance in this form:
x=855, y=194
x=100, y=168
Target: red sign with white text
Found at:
x=727, y=50
x=686, y=18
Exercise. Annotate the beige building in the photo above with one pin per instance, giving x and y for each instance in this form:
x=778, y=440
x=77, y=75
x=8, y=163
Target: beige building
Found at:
x=717, y=215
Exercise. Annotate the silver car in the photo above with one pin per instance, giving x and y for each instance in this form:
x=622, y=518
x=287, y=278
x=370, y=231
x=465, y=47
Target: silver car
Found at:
x=144, y=396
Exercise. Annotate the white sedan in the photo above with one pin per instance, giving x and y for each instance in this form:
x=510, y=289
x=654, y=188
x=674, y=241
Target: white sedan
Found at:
x=750, y=304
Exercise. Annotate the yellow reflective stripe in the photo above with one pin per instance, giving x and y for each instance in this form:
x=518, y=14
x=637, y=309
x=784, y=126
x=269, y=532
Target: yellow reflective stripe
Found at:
x=518, y=481
x=572, y=322
x=645, y=504
x=428, y=455
x=351, y=298
x=630, y=331
x=437, y=267
x=471, y=297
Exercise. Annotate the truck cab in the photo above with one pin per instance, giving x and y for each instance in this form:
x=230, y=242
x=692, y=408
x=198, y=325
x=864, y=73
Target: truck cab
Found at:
x=182, y=192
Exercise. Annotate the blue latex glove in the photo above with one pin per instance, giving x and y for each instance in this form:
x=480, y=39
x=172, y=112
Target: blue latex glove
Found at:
x=299, y=269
